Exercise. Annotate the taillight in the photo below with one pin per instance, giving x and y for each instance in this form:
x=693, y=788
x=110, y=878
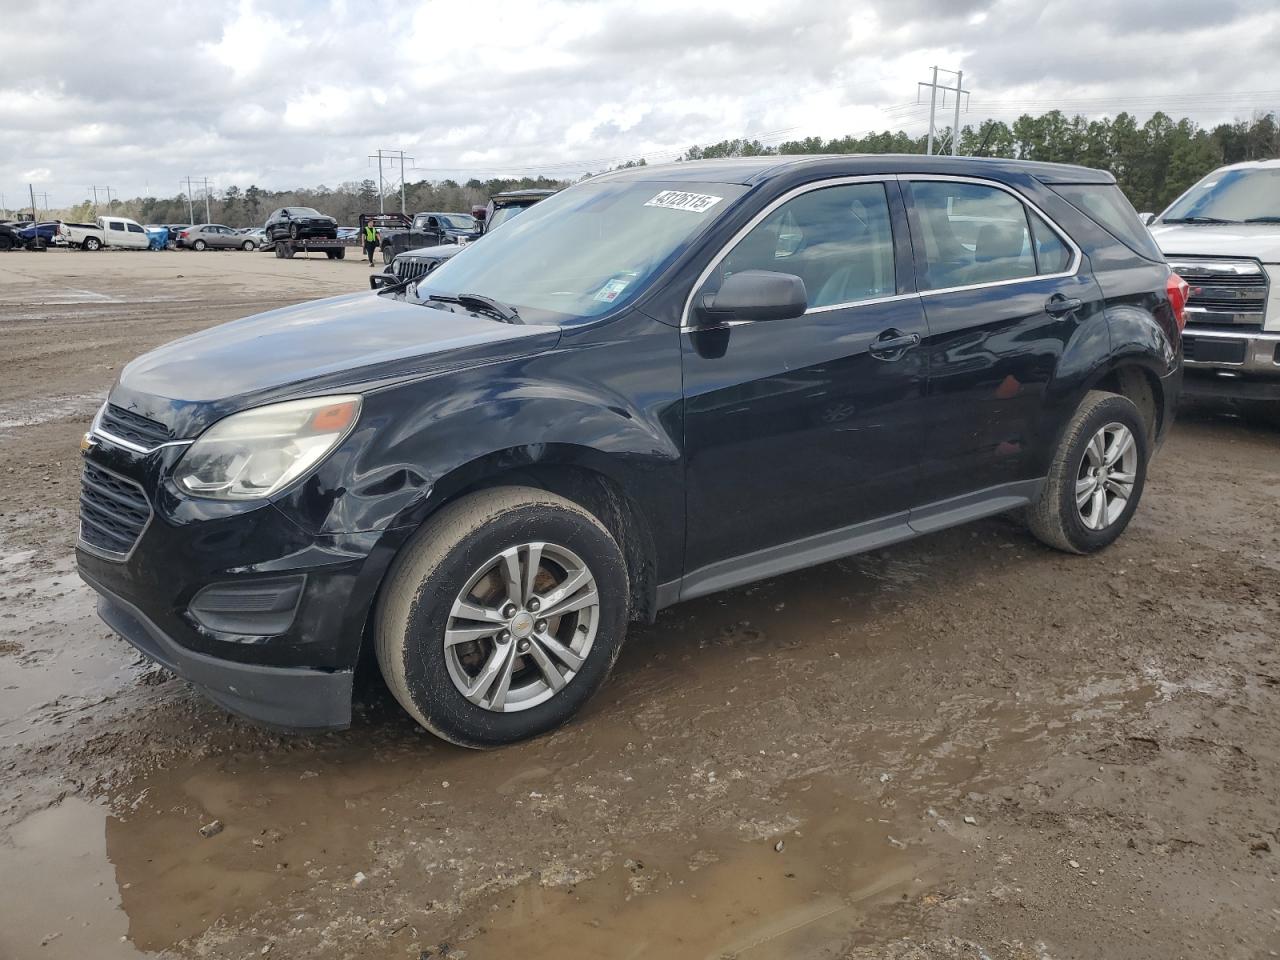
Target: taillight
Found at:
x=182, y=233
x=1178, y=291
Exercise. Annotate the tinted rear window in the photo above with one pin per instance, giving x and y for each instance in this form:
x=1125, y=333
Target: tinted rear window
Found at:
x=1105, y=205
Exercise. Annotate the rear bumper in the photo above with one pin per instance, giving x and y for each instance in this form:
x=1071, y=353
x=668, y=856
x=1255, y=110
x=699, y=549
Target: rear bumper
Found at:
x=292, y=698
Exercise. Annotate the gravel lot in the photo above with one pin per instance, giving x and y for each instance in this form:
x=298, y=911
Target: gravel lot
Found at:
x=968, y=746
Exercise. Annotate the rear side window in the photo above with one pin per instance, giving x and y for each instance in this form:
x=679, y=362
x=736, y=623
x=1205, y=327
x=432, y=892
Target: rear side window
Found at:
x=1105, y=205
x=1052, y=255
x=117, y=226
x=972, y=234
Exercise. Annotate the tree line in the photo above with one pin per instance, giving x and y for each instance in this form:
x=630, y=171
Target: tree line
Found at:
x=1153, y=162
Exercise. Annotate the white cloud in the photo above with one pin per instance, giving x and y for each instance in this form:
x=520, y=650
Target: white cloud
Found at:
x=297, y=93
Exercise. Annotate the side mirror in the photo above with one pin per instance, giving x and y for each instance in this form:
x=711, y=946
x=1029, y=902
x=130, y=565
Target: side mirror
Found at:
x=1147, y=219
x=755, y=295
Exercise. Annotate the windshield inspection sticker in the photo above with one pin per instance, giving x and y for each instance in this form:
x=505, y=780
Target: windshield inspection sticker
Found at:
x=677, y=200
x=611, y=291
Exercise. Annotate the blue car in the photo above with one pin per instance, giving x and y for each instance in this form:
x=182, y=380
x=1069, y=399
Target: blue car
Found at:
x=46, y=230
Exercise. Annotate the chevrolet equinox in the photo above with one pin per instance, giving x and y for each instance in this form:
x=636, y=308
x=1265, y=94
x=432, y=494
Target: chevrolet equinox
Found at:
x=656, y=384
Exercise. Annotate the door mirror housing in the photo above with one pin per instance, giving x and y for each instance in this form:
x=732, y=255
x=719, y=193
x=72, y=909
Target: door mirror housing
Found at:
x=1147, y=219
x=755, y=295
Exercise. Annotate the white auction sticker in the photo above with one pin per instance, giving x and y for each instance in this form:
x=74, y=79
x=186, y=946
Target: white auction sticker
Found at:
x=678, y=200
x=610, y=291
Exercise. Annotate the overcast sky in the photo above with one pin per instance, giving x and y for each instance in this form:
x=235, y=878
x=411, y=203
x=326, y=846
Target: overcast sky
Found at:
x=136, y=95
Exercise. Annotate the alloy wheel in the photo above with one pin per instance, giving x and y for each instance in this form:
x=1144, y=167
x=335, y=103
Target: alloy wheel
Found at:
x=522, y=627
x=1107, y=474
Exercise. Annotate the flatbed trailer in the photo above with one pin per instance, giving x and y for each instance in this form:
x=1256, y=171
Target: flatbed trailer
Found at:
x=333, y=249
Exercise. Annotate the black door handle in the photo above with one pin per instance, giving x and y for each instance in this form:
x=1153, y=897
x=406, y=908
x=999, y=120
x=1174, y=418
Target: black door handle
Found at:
x=1058, y=305
x=892, y=344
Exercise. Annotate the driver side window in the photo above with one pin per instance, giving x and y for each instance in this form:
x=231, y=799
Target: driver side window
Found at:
x=837, y=239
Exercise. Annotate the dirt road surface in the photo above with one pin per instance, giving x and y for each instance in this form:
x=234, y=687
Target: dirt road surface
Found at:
x=968, y=746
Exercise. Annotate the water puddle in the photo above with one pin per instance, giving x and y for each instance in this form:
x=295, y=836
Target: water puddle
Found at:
x=57, y=659
x=61, y=897
x=17, y=414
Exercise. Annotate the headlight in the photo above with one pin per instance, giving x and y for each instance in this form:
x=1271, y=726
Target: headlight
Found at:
x=253, y=454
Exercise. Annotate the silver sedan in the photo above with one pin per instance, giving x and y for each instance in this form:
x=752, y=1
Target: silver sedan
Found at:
x=214, y=236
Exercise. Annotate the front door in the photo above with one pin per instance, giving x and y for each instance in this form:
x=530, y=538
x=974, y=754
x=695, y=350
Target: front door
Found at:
x=1005, y=293
x=797, y=428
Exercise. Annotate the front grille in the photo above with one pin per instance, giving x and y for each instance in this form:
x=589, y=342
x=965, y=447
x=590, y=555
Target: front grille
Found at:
x=1224, y=291
x=113, y=511
x=411, y=268
x=133, y=427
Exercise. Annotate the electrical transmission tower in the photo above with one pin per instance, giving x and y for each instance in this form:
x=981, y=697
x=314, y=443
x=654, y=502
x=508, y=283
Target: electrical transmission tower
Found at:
x=934, y=87
x=392, y=155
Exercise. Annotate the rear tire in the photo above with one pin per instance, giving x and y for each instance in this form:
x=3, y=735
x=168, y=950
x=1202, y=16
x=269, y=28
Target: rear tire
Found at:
x=459, y=557
x=199, y=245
x=1096, y=478
x=92, y=243
x=387, y=255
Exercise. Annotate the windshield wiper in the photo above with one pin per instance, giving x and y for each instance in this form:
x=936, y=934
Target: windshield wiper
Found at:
x=1262, y=220
x=1198, y=220
x=480, y=303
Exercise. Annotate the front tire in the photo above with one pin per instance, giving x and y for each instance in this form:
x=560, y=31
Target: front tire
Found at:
x=502, y=616
x=247, y=246
x=1097, y=476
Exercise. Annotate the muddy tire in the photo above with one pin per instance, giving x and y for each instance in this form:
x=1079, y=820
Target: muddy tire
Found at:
x=502, y=616
x=1096, y=478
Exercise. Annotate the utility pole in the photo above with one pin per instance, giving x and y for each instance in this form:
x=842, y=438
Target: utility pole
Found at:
x=379, y=159
x=207, y=218
x=934, y=88
x=390, y=155
x=191, y=212
x=95, y=190
x=32, y=191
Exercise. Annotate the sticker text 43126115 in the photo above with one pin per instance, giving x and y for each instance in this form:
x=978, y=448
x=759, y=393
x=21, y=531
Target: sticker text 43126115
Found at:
x=679, y=200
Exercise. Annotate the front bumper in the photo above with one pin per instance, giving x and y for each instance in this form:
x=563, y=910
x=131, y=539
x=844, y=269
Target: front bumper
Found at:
x=293, y=698
x=242, y=601
x=1231, y=364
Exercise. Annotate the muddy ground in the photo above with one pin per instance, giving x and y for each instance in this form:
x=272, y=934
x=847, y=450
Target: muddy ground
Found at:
x=968, y=746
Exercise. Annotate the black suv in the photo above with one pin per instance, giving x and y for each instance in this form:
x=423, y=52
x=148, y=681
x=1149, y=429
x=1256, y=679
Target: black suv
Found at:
x=300, y=223
x=657, y=384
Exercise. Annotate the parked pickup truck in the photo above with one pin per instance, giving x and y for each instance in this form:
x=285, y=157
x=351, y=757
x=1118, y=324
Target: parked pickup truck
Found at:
x=106, y=232
x=1223, y=237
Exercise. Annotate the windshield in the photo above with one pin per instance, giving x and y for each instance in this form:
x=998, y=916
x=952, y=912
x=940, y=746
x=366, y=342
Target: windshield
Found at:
x=586, y=250
x=305, y=212
x=1236, y=196
x=458, y=221
x=503, y=214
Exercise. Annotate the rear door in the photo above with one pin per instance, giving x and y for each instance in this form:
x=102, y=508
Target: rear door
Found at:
x=796, y=428
x=1005, y=291
x=135, y=236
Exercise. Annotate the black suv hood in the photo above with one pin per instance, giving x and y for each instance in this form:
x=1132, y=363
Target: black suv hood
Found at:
x=348, y=343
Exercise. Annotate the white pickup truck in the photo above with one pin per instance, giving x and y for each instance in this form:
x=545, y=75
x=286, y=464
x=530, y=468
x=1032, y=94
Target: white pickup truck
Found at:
x=106, y=232
x=1223, y=237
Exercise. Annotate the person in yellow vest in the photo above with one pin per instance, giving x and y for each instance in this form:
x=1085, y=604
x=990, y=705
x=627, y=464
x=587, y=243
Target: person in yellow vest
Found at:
x=369, y=234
